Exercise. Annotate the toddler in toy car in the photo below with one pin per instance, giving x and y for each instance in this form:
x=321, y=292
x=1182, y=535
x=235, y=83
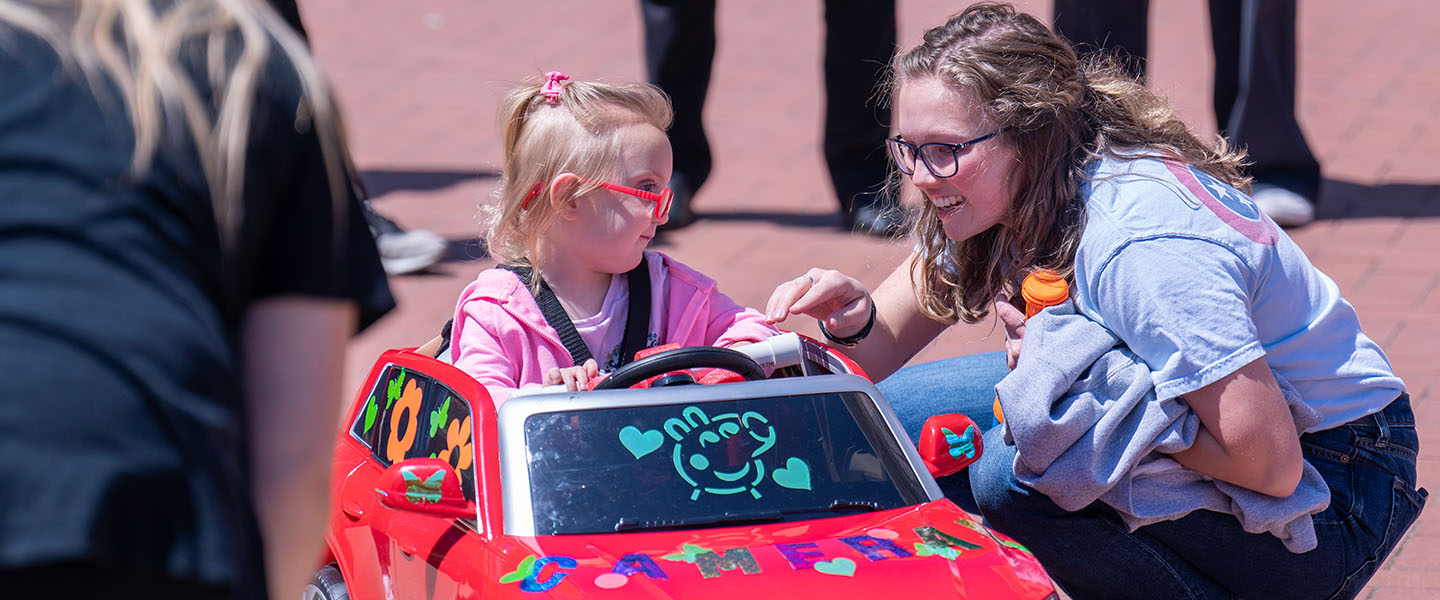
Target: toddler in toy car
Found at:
x=576, y=293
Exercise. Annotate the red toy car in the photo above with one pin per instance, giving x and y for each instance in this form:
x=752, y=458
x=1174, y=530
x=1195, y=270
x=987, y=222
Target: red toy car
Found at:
x=800, y=483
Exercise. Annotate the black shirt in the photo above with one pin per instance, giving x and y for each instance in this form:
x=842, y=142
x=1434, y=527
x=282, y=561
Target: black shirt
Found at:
x=122, y=438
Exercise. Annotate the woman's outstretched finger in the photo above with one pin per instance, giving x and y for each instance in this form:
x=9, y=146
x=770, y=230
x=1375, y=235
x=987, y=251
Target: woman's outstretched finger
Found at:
x=785, y=295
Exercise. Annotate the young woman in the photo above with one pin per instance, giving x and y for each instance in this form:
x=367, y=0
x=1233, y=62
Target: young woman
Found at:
x=1025, y=158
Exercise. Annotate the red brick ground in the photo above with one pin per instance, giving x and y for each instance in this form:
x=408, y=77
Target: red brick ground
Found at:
x=421, y=82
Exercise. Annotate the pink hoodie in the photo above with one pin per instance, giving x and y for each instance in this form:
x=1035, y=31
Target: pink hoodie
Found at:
x=500, y=337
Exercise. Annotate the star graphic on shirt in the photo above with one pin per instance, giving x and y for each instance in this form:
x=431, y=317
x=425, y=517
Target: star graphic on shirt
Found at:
x=1221, y=191
x=1228, y=196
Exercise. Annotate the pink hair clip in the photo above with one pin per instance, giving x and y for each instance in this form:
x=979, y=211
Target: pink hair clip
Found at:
x=552, y=86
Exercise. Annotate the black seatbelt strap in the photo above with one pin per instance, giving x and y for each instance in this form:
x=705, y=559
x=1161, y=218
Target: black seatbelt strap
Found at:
x=637, y=317
x=554, y=315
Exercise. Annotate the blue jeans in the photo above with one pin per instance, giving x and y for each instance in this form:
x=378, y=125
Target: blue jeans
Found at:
x=965, y=385
x=1369, y=464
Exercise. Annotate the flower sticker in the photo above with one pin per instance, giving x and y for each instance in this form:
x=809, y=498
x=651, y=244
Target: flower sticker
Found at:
x=457, y=438
x=404, y=421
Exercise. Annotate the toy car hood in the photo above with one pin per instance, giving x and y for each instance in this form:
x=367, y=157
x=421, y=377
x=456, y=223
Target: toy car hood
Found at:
x=932, y=550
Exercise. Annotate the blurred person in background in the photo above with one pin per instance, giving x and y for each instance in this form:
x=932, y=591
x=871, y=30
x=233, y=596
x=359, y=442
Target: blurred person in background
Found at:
x=184, y=260
x=1254, y=93
x=402, y=251
x=859, y=41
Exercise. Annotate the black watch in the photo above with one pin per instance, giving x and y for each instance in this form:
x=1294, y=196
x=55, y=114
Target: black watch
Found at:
x=854, y=340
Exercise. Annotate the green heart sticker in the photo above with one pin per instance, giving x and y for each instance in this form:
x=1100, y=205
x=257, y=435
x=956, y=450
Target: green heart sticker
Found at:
x=840, y=566
x=794, y=475
x=641, y=443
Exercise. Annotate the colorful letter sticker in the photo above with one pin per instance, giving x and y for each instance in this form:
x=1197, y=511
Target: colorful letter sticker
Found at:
x=711, y=564
x=990, y=534
x=801, y=556
x=528, y=573
x=875, y=548
x=938, y=543
x=639, y=562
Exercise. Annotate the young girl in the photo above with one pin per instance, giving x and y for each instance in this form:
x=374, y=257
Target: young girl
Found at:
x=582, y=192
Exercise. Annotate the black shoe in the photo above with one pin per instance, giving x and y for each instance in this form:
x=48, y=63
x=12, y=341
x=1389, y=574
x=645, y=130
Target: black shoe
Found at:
x=875, y=219
x=680, y=213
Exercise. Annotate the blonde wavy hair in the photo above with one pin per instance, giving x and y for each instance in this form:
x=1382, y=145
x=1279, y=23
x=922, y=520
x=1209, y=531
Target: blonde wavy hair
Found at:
x=575, y=134
x=148, y=49
x=1058, y=113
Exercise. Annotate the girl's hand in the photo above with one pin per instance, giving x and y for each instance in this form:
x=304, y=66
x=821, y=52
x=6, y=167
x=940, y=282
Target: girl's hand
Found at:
x=1014, y=321
x=573, y=377
x=836, y=299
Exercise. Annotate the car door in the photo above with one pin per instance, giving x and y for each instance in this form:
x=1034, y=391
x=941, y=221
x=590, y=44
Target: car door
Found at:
x=437, y=424
x=360, y=456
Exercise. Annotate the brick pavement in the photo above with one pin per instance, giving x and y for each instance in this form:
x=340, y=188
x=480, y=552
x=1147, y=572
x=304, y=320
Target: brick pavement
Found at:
x=421, y=82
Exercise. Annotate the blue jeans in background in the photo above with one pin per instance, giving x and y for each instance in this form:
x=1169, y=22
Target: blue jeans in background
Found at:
x=965, y=385
x=1369, y=464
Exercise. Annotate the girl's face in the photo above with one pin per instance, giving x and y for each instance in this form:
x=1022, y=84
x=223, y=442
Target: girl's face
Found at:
x=980, y=194
x=611, y=229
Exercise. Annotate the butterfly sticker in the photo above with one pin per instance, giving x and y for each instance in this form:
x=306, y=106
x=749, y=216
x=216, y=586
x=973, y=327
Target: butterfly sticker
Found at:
x=438, y=416
x=417, y=491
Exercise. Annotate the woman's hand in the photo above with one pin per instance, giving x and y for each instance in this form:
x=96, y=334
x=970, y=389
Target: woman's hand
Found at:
x=836, y=299
x=1014, y=321
x=573, y=377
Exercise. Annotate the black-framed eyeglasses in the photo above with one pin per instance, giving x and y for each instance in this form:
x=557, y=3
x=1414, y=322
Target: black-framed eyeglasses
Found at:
x=941, y=158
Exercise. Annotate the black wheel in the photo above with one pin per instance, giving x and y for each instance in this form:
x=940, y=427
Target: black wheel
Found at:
x=327, y=584
x=690, y=357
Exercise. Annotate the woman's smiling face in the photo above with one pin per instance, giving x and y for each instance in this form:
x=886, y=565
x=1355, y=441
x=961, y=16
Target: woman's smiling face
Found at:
x=980, y=194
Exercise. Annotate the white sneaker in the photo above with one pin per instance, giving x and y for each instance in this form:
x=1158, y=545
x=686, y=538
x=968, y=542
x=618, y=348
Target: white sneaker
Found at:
x=404, y=252
x=1286, y=208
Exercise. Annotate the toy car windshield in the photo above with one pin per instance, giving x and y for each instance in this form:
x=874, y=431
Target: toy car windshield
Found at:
x=712, y=464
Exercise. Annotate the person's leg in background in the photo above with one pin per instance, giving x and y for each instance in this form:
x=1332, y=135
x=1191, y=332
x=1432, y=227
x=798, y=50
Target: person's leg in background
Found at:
x=679, y=53
x=859, y=42
x=1255, y=72
x=1119, y=26
x=401, y=251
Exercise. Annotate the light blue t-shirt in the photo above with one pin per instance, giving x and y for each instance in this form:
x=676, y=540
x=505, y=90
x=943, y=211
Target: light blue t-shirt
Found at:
x=1198, y=283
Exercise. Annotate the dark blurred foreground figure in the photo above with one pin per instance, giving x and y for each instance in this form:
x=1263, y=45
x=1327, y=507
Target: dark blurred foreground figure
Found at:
x=1254, y=45
x=859, y=41
x=183, y=261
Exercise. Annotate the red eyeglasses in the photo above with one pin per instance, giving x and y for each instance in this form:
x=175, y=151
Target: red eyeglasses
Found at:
x=662, y=198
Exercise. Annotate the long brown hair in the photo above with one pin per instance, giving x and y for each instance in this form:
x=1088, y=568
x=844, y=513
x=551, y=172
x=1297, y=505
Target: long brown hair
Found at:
x=1057, y=113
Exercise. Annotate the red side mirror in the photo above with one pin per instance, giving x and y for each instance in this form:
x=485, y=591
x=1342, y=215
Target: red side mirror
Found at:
x=949, y=443
x=424, y=485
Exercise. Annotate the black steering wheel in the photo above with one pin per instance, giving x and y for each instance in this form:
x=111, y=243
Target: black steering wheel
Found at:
x=689, y=357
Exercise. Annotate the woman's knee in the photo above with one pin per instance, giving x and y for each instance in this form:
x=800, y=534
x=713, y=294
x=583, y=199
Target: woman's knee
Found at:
x=992, y=478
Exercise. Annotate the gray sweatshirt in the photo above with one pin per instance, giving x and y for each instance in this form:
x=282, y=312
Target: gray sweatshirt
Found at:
x=1081, y=410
